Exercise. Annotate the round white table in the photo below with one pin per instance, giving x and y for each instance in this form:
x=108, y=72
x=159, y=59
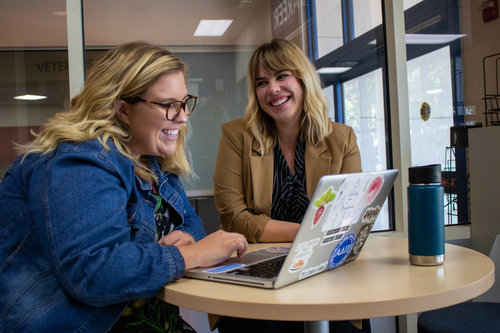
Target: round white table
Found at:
x=381, y=282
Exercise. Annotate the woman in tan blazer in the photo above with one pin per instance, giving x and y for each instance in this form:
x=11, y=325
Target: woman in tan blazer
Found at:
x=286, y=106
x=270, y=161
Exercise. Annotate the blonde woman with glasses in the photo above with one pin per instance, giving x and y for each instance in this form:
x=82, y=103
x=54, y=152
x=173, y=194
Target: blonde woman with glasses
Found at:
x=93, y=217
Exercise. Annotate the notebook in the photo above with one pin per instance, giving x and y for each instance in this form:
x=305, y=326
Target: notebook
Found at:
x=332, y=233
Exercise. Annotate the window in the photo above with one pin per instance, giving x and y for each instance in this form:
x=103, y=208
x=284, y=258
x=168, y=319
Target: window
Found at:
x=33, y=62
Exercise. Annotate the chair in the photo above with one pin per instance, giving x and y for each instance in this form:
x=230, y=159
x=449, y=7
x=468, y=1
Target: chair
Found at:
x=479, y=315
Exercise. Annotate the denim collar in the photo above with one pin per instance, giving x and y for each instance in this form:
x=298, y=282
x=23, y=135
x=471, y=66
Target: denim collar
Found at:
x=162, y=175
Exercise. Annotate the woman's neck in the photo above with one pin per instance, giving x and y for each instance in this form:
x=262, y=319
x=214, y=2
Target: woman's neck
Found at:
x=288, y=136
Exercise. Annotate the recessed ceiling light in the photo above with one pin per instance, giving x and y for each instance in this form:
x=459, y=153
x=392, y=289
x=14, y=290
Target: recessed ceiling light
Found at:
x=214, y=28
x=333, y=70
x=434, y=91
x=416, y=39
x=30, y=97
x=431, y=38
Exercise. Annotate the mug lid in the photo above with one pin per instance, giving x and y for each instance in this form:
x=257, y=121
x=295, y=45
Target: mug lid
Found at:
x=426, y=174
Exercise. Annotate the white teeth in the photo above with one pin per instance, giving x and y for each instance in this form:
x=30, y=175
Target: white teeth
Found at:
x=171, y=132
x=280, y=101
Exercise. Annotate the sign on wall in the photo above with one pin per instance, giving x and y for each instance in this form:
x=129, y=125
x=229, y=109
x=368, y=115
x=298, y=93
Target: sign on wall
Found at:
x=289, y=21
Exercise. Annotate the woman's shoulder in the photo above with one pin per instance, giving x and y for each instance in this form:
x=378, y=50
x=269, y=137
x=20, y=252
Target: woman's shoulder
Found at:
x=104, y=153
x=340, y=126
x=235, y=125
x=91, y=147
x=340, y=130
x=237, y=128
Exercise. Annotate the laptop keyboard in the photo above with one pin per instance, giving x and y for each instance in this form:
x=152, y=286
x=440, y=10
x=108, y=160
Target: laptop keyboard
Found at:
x=265, y=269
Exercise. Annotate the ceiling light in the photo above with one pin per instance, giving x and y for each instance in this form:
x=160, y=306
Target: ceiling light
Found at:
x=59, y=13
x=333, y=70
x=434, y=91
x=30, y=97
x=212, y=28
x=431, y=38
x=427, y=38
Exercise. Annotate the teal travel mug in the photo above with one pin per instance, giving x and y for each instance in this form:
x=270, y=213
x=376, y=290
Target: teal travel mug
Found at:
x=426, y=215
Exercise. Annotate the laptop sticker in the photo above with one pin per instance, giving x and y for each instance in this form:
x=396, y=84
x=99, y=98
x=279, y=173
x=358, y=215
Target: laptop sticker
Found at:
x=342, y=251
x=370, y=214
x=302, y=254
x=321, y=204
x=313, y=270
x=333, y=231
x=349, y=203
x=374, y=189
x=298, y=265
x=362, y=236
x=331, y=236
x=222, y=269
x=277, y=249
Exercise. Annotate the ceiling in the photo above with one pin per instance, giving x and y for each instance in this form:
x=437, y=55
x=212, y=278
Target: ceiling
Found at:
x=37, y=23
x=37, y=28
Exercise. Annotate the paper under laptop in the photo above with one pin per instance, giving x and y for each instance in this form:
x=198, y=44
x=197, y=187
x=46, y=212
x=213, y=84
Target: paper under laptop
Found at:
x=333, y=231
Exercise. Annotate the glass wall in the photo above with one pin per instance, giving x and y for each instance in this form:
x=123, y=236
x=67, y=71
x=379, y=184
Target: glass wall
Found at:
x=217, y=64
x=365, y=112
x=366, y=15
x=431, y=106
x=444, y=76
x=445, y=39
x=329, y=26
x=34, y=71
x=358, y=89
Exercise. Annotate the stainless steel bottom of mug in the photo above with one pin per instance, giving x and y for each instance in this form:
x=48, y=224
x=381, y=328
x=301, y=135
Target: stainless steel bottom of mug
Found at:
x=427, y=260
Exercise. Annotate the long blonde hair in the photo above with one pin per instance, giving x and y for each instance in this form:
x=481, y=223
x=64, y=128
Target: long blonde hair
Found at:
x=125, y=71
x=276, y=56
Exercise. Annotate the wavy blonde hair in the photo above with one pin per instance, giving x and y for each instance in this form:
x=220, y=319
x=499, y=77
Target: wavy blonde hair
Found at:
x=125, y=71
x=276, y=56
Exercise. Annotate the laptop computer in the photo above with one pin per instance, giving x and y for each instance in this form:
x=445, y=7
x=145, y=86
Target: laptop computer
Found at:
x=332, y=233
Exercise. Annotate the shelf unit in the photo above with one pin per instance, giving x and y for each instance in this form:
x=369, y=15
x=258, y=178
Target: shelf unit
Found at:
x=491, y=98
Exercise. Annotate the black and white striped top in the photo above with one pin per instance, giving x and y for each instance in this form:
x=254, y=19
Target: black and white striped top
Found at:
x=290, y=199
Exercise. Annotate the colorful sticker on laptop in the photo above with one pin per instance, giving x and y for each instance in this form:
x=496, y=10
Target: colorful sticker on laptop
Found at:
x=321, y=204
x=349, y=203
x=303, y=252
x=222, y=269
x=360, y=240
x=300, y=259
x=374, y=189
x=342, y=251
x=298, y=265
x=370, y=214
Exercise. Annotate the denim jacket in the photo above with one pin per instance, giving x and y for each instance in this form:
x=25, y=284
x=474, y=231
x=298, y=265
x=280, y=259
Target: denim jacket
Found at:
x=78, y=239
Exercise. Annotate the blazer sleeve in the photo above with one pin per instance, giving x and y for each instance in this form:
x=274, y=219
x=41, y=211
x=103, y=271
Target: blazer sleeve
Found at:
x=231, y=179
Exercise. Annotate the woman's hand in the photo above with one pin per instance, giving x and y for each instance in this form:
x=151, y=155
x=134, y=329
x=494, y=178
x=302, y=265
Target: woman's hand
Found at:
x=213, y=249
x=177, y=238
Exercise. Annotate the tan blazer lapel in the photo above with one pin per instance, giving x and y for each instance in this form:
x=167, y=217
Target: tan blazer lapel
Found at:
x=318, y=163
x=262, y=167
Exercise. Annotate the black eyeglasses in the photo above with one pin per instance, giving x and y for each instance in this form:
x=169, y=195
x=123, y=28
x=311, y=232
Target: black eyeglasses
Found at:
x=170, y=112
